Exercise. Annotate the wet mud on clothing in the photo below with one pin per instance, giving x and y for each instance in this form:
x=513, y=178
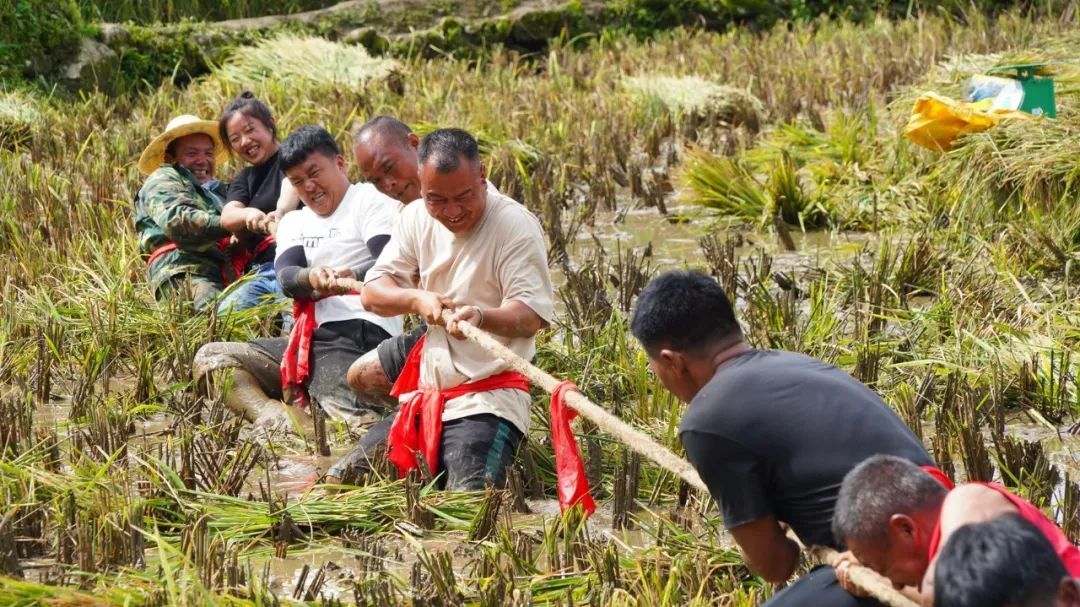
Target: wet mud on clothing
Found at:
x=394, y=351
x=334, y=347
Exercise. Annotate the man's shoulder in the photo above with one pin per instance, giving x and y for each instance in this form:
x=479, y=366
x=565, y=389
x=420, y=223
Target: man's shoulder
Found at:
x=165, y=175
x=294, y=219
x=507, y=212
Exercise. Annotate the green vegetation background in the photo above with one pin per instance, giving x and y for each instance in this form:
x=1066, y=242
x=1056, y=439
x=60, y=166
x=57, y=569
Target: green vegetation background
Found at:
x=37, y=35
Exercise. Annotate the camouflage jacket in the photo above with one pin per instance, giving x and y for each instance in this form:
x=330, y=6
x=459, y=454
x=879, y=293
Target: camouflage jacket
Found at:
x=173, y=208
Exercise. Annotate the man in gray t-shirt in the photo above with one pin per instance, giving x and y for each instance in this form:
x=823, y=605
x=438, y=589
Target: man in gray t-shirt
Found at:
x=772, y=434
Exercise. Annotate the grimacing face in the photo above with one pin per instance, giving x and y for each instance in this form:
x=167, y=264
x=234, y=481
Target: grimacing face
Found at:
x=320, y=182
x=250, y=138
x=457, y=198
x=195, y=153
x=390, y=165
x=903, y=561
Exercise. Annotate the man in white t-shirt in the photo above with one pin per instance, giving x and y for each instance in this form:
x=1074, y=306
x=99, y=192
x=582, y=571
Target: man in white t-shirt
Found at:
x=338, y=234
x=480, y=254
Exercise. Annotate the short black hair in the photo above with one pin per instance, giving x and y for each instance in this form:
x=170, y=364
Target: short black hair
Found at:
x=247, y=104
x=684, y=311
x=876, y=489
x=1003, y=561
x=446, y=147
x=383, y=125
x=304, y=142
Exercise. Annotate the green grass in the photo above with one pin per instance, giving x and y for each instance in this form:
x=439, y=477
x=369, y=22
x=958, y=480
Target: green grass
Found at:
x=955, y=299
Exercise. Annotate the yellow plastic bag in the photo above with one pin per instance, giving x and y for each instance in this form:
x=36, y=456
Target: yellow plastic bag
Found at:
x=937, y=121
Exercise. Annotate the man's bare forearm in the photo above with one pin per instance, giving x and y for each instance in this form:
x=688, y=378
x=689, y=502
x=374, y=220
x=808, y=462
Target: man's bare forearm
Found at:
x=513, y=319
x=384, y=297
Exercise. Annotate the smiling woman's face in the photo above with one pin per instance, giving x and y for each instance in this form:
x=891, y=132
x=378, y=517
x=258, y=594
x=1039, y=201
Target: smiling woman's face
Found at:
x=250, y=138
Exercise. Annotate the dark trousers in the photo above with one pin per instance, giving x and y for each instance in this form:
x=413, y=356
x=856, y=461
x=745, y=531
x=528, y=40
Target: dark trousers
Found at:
x=818, y=588
x=474, y=453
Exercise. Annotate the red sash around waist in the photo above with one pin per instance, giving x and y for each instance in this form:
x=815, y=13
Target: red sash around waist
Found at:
x=418, y=426
x=239, y=257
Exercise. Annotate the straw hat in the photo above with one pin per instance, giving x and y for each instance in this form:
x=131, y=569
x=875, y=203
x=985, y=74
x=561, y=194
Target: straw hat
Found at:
x=154, y=154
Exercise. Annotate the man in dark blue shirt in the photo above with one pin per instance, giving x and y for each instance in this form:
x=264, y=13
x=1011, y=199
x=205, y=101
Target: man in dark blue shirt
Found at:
x=771, y=433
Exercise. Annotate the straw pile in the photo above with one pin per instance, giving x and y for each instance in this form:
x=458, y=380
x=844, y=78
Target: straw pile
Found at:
x=307, y=61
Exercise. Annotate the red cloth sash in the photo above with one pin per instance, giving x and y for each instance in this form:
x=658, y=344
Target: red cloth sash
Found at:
x=573, y=484
x=418, y=425
x=1065, y=549
x=939, y=476
x=296, y=361
x=240, y=257
x=158, y=252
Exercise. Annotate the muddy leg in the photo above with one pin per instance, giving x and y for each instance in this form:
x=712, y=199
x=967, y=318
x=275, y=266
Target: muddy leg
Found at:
x=255, y=393
x=369, y=382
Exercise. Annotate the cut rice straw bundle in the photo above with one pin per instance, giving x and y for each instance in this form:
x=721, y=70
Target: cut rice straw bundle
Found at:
x=308, y=61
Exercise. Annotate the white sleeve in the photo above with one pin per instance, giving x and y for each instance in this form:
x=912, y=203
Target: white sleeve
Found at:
x=376, y=215
x=288, y=234
x=399, y=259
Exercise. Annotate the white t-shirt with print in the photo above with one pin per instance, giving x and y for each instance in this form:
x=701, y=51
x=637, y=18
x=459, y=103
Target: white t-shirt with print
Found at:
x=341, y=240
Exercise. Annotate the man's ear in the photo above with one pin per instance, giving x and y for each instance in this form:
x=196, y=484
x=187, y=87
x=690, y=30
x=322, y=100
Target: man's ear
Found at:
x=675, y=361
x=1068, y=592
x=483, y=172
x=339, y=160
x=414, y=141
x=902, y=527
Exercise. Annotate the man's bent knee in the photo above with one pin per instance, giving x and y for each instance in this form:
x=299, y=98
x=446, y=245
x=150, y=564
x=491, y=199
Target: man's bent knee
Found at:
x=368, y=380
x=213, y=356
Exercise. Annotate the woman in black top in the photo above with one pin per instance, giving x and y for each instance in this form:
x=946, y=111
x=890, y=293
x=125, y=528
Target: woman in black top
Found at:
x=256, y=198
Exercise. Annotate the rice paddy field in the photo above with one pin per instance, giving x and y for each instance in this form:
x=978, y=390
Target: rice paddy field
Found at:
x=948, y=282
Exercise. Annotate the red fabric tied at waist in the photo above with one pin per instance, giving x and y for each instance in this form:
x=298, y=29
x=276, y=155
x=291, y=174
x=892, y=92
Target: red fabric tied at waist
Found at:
x=158, y=252
x=418, y=425
x=240, y=257
x=296, y=362
x=573, y=484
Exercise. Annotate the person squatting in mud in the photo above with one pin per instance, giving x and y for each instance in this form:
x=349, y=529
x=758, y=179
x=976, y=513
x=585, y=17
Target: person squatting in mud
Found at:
x=771, y=433
x=472, y=251
x=894, y=517
x=337, y=235
x=178, y=212
x=385, y=151
x=258, y=197
x=1003, y=562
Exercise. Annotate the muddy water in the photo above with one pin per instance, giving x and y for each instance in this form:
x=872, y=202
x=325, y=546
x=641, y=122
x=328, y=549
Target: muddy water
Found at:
x=675, y=239
x=674, y=245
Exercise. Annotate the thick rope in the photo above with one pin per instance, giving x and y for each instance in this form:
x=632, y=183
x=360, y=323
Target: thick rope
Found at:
x=868, y=580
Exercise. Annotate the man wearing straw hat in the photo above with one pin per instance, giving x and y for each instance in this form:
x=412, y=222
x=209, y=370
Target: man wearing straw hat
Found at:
x=472, y=251
x=178, y=211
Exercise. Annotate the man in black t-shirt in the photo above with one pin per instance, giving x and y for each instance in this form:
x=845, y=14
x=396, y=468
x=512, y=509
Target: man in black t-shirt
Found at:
x=772, y=434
